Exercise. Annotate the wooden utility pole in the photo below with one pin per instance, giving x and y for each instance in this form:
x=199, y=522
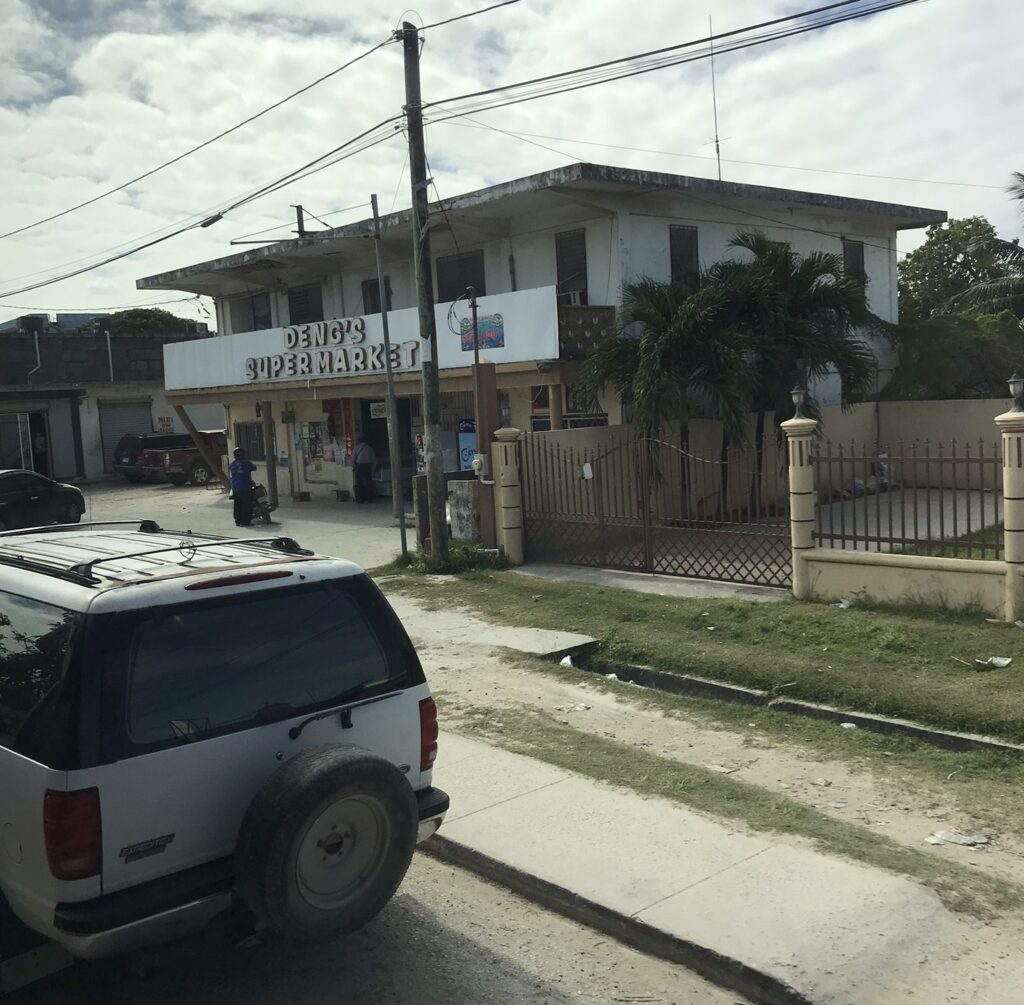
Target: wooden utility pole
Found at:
x=425, y=296
x=394, y=451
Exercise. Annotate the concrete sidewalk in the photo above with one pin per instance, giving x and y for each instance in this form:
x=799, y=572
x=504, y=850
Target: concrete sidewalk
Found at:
x=775, y=921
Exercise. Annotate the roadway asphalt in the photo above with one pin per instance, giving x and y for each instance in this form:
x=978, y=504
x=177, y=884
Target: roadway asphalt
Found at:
x=446, y=937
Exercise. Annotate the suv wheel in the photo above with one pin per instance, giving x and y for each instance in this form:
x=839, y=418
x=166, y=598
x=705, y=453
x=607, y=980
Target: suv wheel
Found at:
x=199, y=474
x=326, y=842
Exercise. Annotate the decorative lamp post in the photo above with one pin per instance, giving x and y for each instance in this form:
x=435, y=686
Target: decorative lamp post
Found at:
x=1016, y=385
x=799, y=396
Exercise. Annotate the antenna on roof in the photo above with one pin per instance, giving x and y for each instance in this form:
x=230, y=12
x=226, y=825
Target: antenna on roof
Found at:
x=714, y=97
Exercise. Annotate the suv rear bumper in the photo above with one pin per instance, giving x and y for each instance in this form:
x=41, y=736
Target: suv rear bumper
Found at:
x=175, y=905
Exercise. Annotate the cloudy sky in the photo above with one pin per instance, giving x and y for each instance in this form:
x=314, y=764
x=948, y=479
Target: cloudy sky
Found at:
x=97, y=91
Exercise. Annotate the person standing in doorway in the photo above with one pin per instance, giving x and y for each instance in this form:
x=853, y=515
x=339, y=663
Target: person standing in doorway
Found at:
x=364, y=460
x=241, y=469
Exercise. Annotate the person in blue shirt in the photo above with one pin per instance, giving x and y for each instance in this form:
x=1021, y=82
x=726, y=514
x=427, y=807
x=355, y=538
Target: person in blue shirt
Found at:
x=241, y=470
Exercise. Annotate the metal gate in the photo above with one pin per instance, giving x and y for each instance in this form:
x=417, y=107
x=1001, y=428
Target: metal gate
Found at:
x=653, y=506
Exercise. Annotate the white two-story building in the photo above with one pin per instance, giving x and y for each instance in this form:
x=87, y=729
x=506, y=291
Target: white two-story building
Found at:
x=300, y=324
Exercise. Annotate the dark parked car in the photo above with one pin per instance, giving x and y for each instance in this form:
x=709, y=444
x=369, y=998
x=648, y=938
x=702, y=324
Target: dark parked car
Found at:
x=130, y=448
x=30, y=500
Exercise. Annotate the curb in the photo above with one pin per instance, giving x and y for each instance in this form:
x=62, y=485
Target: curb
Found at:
x=721, y=970
x=702, y=687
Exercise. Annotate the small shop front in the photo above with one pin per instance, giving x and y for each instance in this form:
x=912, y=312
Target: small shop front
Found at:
x=324, y=385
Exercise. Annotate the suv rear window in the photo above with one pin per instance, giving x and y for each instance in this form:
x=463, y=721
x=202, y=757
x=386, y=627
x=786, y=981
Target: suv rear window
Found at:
x=204, y=669
x=34, y=643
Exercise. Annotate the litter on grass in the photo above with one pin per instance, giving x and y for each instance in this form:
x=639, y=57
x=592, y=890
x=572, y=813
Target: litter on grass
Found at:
x=843, y=605
x=994, y=662
x=565, y=661
x=957, y=836
x=848, y=725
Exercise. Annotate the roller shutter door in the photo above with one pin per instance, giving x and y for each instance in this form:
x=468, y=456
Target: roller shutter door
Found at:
x=119, y=418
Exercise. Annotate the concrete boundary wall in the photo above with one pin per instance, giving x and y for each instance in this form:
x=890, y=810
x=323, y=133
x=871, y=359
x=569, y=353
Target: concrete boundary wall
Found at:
x=948, y=583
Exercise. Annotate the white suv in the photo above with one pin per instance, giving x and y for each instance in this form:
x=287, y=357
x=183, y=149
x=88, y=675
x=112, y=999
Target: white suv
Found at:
x=189, y=721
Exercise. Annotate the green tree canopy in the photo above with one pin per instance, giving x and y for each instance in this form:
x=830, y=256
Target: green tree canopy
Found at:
x=957, y=356
x=147, y=321
x=955, y=258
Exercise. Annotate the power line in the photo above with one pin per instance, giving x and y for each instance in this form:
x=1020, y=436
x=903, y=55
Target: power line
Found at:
x=200, y=146
x=474, y=124
x=785, y=224
x=99, y=310
x=285, y=223
x=390, y=40
x=618, y=69
x=368, y=138
x=472, y=13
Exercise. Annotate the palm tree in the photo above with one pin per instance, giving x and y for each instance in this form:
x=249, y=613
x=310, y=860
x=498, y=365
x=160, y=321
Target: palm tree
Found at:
x=674, y=347
x=1006, y=292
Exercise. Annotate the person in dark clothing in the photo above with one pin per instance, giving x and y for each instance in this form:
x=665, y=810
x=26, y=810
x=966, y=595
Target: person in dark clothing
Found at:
x=241, y=470
x=363, y=462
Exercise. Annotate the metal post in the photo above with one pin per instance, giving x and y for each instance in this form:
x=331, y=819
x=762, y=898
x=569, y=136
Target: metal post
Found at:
x=270, y=452
x=394, y=452
x=471, y=290
x=424, y=295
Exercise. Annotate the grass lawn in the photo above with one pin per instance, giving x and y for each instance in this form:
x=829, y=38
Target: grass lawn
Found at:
x=879, y=661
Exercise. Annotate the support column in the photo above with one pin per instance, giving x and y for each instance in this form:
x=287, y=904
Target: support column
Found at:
x=555, y=404
x=1011, y=426
x=508, y=498
x=800, y=433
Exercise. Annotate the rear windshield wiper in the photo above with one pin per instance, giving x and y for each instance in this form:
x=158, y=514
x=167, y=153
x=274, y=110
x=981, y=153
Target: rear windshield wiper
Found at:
x=346, y=698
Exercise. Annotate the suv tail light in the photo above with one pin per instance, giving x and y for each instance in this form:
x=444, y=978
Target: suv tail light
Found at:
x=71, y=827
x=428, y=734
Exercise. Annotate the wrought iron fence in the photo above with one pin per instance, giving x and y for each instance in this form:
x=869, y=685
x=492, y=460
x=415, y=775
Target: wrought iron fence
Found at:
x=920, y=498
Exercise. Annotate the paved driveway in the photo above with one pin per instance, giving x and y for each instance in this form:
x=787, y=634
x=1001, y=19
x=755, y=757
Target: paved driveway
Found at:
x=365, y=534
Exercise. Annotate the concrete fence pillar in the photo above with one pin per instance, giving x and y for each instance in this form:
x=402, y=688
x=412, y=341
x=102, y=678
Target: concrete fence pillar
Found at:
x=508, y=500
x=1011, y=426
x=800, y=433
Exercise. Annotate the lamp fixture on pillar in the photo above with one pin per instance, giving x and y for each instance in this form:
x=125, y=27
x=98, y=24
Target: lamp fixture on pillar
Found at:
x=799, y=396
x=1016, y=385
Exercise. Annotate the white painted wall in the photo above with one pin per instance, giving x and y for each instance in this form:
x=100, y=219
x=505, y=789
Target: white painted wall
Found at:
x=628, y=237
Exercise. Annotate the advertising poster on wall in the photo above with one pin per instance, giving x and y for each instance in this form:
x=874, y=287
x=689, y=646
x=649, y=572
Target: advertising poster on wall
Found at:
x=467, y=444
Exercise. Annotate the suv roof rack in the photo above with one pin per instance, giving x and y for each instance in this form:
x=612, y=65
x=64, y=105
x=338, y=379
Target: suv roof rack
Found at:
x=287, y=545
x=71, y=575
x=144, y=526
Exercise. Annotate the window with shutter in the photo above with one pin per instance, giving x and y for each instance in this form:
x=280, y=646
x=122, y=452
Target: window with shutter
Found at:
x=456, y=272
x=571, y=266
x=371, y=295
x=305, y=304
x=853, y=258
x=683, y=252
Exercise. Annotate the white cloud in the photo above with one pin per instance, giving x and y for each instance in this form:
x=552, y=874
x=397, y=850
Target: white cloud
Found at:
x=96, y=91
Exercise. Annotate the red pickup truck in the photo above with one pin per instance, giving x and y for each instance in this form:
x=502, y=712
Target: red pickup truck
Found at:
x=185, y=464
